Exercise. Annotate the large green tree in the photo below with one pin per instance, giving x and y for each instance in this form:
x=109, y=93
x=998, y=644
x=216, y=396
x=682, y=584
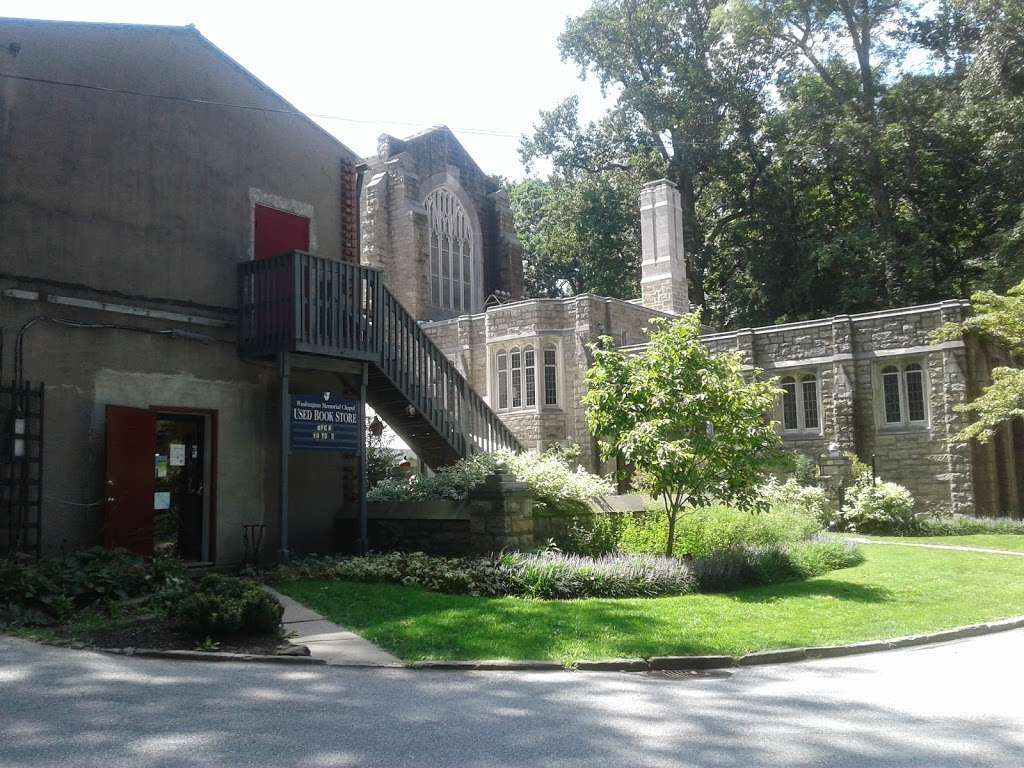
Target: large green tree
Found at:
x=692, y=424
x=579, y=234
x=831, y=156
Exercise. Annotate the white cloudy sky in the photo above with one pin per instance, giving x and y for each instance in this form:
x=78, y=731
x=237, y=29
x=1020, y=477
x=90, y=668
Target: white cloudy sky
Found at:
x=394, y=66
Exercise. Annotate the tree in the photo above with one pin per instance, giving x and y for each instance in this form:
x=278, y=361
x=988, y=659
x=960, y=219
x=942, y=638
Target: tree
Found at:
x=579, y=235
x=687, y=107
x=690, y=422
x=1000, y=319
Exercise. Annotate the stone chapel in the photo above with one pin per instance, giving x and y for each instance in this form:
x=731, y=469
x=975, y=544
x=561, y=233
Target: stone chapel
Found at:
x=872, y=384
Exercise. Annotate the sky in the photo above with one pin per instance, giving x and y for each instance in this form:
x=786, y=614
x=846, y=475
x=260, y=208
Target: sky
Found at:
x=389, y=67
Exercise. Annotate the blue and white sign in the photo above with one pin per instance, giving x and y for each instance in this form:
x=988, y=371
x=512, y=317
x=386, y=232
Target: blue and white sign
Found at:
x=325, y=422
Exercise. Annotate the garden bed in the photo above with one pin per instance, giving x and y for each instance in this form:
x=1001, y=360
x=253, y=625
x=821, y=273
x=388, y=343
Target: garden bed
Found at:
x=897, y=591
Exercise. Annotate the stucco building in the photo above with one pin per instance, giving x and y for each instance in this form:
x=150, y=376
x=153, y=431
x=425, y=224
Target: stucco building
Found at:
x=872, y=384
x=179, y=253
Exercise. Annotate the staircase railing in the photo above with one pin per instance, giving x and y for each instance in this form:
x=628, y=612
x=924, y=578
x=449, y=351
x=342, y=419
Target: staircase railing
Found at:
x=296, y=302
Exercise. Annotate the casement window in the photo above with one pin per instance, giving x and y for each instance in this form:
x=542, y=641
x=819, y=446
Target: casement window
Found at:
x=904, y=395
x=550, y=376
x=516, y=382
x=501, y=369
x=451, y=252
x=801, y=403
x=530, y=369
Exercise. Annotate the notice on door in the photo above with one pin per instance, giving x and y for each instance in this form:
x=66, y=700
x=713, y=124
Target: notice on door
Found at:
x=161, y=500
x=325, y=422
x=177, y=454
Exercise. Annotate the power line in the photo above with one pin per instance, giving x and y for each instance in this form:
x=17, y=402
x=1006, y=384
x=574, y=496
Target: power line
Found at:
x=249, y=107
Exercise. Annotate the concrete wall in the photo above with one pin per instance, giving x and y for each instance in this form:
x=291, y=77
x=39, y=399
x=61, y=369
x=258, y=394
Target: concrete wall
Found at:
x=143, y=196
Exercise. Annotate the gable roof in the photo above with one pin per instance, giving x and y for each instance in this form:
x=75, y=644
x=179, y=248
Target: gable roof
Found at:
x=427, y=133
x=193, y=34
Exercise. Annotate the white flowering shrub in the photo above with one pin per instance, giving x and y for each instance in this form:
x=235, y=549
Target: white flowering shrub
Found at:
x=551, y=478
x=886, y=508
x=791, y=495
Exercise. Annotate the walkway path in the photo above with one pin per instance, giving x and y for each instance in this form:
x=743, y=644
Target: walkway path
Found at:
x=328, y=641
x=951, y=547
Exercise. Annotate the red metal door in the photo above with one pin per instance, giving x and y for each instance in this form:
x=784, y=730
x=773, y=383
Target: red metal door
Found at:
x=128, y=512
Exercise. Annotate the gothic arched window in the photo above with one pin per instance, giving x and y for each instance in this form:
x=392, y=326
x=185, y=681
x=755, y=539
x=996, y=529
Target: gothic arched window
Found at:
x=451, y=252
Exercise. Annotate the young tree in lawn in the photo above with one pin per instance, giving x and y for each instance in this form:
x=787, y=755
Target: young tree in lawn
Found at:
x=1000, y=319
x=693, y=426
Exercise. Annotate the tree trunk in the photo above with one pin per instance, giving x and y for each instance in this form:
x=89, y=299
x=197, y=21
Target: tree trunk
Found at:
x=671, y=531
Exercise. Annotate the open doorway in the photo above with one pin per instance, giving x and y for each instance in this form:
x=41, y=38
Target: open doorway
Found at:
x=180, y=507
x=159, y=478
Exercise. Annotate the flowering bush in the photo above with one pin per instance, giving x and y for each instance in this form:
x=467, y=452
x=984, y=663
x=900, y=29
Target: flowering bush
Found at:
x=807, y=499
x=872, y=507
x=549, y=575
x=551, y=478
x=746, y=565
x=962, y=525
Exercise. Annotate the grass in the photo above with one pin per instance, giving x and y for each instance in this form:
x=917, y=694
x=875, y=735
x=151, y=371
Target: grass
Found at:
x=1010, y=542
x=896, y=591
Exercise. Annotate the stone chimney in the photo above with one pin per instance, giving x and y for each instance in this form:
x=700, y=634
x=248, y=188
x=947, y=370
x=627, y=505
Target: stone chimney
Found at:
x=663, y=279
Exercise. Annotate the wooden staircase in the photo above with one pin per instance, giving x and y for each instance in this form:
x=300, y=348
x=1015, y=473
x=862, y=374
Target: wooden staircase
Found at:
x=300, y=303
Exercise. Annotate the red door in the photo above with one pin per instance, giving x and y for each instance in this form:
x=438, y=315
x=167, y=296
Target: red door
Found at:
x=130, y=476
x=279, y=232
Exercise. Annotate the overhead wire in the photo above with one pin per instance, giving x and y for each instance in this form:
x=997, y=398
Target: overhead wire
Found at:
x=250, y=107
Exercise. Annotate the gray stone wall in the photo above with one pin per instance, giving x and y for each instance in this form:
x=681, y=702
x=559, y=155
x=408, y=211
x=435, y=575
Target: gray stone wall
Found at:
x=395, y=231
x=844, y=353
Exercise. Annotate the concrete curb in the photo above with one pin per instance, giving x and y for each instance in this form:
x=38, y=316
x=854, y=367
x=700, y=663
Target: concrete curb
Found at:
x=651, y=664
x=489, y=665
x=154, y=653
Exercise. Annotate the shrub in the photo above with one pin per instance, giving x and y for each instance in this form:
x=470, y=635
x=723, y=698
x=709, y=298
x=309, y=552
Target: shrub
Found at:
x=222, y=606
x=554, y=482
x=51, y=590
x=877, y=508
x=713, y=529
x=459, y=575
x=747, y=566
x=550, y=575
x=807, y=499
x=962, y=525
x=557, y=576
x=593, y=534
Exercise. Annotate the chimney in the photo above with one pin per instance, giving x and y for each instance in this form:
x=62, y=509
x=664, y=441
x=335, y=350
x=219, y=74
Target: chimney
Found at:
x=663, y=279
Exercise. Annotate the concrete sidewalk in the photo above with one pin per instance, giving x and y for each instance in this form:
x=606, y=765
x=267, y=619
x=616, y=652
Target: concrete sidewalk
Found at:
x=328, y=641
x=949, y=547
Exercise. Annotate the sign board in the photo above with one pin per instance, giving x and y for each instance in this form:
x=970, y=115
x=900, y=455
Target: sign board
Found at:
x=325, y=422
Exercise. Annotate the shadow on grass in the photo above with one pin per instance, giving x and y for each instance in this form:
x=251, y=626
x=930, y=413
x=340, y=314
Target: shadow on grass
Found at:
x=840, y=590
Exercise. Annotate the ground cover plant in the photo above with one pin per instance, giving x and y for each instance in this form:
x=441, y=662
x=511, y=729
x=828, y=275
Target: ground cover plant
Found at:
x=113, y=598
x=895, y=591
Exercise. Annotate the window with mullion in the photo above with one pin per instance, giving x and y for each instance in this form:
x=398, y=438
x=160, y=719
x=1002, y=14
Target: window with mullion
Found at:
x=530, y=376
x=550, y=377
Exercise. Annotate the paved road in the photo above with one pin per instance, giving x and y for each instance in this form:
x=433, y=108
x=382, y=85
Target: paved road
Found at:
x=958, y=704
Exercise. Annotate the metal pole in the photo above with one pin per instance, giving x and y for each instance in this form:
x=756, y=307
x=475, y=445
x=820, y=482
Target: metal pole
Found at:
x=286, y=412
x=364, y=539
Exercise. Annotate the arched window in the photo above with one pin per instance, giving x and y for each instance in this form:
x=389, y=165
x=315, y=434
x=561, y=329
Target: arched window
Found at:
x=809, y=390
x=904, y=395
x=789, y=411
x=451, y=252
x=516, y=376
x=914, y=376
x=891, y=394
x=550, y=376
x=800, y=403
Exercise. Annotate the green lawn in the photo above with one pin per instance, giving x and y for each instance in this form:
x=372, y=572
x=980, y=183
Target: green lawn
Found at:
x=896, y=591
x=1011, y=542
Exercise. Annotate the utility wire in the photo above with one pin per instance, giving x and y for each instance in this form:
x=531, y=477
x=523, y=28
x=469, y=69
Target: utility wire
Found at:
x=249, y=107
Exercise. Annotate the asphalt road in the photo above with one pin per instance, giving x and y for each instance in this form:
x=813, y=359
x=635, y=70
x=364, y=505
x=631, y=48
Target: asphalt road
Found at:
x=957, y=704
